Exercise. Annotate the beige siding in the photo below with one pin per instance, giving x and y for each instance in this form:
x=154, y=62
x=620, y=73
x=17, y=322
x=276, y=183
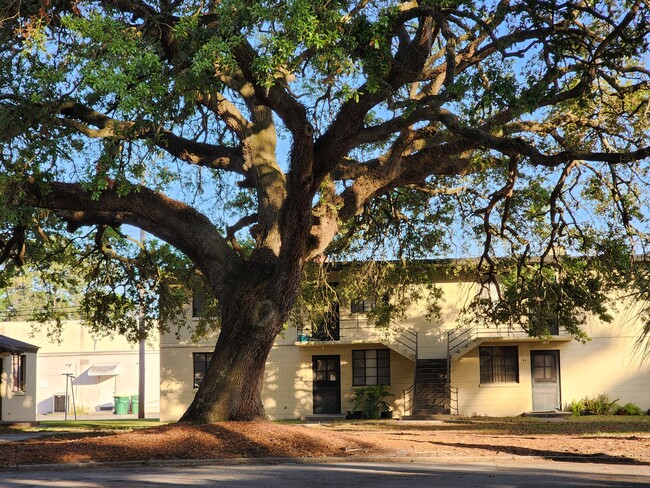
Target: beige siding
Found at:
x=432, y=337
x=609, y=363
x=176, y=380
x=494, y=399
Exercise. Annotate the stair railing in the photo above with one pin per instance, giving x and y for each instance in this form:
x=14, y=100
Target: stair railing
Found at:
x=407, y=338
x=408, y=396
x=452, y=392
x=393, y=334
x=457, y=338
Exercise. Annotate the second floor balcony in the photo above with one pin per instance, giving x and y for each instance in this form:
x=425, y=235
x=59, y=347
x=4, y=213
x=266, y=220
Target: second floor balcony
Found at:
x=357, y=330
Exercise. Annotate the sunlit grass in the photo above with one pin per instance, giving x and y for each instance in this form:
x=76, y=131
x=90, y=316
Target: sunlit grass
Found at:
x=289, y=421
x=587, y=425
x=93, y=425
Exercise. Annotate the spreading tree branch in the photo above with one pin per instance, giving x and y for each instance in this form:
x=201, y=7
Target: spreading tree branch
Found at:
x=168, y=219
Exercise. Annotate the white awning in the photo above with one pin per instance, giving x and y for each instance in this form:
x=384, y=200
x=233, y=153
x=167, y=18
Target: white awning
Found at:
x=112, y=369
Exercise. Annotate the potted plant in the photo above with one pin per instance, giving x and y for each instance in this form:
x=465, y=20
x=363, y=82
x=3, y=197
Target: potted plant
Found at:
x=370, y=400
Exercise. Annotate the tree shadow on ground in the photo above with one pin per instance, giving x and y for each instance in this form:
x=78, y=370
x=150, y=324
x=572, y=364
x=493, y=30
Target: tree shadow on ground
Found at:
x=600, y=458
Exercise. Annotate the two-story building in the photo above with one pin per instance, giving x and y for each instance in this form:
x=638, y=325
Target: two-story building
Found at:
x=429, y=367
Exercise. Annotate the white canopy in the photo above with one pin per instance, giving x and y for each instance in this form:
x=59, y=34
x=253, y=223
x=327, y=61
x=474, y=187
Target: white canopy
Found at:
x=112, y=369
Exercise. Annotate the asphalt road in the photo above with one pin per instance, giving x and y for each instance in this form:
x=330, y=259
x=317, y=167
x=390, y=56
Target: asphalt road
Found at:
x=424, y=473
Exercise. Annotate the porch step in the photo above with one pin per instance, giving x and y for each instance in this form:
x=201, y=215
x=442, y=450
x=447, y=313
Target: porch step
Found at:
x=431, y=409
x=547, y=415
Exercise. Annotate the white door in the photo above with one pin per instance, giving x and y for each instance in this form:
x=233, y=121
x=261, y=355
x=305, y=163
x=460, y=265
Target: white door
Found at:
x=546, y=380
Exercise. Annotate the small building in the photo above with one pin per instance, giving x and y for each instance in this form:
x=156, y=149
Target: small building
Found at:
x=17, y=380
x=430, y=367
x=93, y=368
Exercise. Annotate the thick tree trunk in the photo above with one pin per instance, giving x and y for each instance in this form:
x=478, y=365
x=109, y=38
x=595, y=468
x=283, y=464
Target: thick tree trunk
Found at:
x=232, y=386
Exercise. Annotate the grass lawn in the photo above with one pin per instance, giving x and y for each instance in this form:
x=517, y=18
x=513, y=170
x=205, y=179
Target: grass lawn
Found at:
x=122, y=425
x=587, y=425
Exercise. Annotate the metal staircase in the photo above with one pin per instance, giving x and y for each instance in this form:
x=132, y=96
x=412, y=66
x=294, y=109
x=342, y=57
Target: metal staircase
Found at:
x=402, y=340
x=460, y=341
x=431, y=394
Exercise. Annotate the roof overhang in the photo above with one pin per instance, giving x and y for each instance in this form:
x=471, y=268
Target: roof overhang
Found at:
x=14, y=346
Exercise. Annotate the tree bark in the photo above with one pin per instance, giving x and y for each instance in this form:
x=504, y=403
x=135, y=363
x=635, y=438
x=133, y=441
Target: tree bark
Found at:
x=232, y=386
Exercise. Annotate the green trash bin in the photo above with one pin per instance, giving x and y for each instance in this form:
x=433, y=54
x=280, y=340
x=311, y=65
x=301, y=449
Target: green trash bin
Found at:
x=135, y=403
x=121, y=405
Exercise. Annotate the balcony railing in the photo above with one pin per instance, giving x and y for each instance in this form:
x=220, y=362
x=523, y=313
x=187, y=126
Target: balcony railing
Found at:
x=349, y=331
x=460, y=337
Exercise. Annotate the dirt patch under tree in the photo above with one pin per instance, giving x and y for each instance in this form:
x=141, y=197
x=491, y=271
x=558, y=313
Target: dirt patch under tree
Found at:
x=266, y=439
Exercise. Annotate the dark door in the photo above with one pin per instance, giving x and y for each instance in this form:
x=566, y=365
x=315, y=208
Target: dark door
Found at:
x=327, y=385
x=546, y=380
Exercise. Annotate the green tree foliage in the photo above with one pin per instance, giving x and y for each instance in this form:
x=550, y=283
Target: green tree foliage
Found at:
x=254, y=137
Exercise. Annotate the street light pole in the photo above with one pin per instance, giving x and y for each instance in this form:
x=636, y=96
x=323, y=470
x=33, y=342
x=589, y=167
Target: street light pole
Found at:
x=68, y=380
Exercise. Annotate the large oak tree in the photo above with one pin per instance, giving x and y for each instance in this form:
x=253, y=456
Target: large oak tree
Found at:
x=257, y=136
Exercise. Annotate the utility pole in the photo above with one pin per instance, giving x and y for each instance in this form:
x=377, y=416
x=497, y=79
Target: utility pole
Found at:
x=141, y=345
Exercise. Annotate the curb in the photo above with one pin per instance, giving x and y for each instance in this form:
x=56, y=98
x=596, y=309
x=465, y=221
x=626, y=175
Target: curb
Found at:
x=451, y=459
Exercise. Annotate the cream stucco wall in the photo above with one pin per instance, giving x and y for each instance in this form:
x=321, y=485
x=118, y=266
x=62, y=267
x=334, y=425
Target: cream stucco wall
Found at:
x=287, y=392
x=18, y=406
x=432, y=336
x=77, y=351
x=609, y=363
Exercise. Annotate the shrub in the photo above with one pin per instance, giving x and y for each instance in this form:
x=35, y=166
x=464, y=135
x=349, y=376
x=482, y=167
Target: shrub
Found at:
x=599, y=405
x=629, y=409
x=577, y=407
x=371, y=398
